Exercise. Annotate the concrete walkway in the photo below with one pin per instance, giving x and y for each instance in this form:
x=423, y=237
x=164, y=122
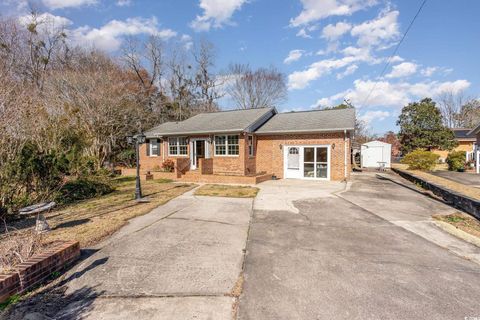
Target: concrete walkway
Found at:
x=349, y=255
x=181, y=261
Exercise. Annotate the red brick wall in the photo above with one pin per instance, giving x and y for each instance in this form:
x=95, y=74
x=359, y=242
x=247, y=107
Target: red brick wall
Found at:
x=38, y=268
x=270, y=152
x=268, y=155
x=234, y=165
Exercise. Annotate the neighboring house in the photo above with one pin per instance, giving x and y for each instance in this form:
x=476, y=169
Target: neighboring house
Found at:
x=466, y=142
x=475, y=132
x=249, y=146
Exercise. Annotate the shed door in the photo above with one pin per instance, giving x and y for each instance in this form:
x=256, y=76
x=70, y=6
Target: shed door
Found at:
x=374, y=156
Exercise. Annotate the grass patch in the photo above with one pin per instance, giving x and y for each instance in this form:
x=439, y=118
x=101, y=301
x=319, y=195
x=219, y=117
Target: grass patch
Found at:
x=91, y=220
x=217, y=190
x=461, y=221
x=469, y=191
x=163, y=180
x=11, y=300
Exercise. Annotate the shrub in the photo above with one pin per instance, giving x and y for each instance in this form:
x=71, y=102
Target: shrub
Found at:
x=83, y=188
x=420, y=160
x=168, y=165
x=456, y=160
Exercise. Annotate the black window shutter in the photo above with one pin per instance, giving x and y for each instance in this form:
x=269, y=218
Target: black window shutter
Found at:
x=158, y=146
x=148, y=146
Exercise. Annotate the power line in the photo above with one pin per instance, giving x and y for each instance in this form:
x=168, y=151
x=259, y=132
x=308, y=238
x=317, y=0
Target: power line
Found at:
x=396, y=49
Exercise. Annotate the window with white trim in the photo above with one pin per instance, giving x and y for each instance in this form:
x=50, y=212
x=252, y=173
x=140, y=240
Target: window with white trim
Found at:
x=177, y=146
x=251, y=148
x=227, y=145
x=154, y=147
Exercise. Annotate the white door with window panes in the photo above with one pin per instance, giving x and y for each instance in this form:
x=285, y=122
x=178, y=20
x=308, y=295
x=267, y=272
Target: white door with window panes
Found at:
x=307, y=162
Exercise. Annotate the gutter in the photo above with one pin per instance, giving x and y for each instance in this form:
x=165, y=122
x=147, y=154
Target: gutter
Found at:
x=304, y=131
x=173, y=134
x=345, y=153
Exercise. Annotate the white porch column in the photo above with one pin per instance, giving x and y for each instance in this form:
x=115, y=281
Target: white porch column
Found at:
x=477, y=160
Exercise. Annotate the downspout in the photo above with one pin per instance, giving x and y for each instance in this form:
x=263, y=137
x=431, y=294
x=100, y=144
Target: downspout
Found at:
x=345, y=153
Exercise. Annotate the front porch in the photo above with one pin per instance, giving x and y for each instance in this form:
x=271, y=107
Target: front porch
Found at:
x=203, y=173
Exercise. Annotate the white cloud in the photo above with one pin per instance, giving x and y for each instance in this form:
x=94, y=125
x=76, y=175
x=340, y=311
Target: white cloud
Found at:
x=303, y=33
x=396, y=59
x=301, y=79
x=109, y=37
x=403, y=69
x=314, y=10
x=187, y=41
x=124, y=3
x=348, y=71
x=334, y=31
x=293, y=55
x=372, y=115
x=216, y=13
x=60, y=4
x=378, y=31
x=387, y=94
x=429, y=71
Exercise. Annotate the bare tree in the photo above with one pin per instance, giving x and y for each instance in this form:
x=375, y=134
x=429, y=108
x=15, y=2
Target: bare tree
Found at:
x=264, y=87
x=181, y=84
x=450, y=104
x=145, y=60
x=46, y=38
x=469, y=115
x=207, y=84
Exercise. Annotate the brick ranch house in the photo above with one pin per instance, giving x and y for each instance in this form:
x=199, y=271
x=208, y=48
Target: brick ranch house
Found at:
x=250, y=146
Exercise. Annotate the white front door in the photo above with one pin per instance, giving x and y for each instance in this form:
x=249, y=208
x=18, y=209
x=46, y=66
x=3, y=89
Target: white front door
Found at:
x=307, y=162
x=198, y=149
x=292, y=162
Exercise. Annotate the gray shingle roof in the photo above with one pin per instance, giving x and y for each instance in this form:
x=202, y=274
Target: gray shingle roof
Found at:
x=310, y=121
x=214, y=122
x=463, y=134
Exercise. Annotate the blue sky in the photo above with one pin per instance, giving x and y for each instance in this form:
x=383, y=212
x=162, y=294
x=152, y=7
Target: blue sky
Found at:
x=329, y=49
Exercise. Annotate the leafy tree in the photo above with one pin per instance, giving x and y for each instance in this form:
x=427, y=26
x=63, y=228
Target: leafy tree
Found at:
x=421, y=127
x=391, y=138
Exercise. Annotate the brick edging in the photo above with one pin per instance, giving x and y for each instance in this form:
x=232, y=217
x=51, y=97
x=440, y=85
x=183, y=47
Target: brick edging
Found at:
x=458, y=200
x=38, y=268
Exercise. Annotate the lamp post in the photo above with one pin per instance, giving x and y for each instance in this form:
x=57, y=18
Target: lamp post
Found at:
x=137, y=139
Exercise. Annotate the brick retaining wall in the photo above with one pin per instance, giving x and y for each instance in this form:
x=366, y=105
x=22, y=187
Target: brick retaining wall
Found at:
x=38, y=268
x=460, y=201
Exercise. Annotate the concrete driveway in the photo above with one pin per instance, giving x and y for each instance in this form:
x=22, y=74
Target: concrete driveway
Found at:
x=182, y=261
x=350, y=255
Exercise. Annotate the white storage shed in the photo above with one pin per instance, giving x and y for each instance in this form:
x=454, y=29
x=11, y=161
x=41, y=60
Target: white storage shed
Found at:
x=376, y=154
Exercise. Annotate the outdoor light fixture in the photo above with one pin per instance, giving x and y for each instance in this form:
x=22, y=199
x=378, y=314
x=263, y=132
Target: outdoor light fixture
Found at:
x=333, y=145
x=137, y=140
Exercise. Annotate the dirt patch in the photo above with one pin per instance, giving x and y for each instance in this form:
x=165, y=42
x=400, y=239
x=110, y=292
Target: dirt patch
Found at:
x=92, y=220
x=217, y=190
x=462, y=221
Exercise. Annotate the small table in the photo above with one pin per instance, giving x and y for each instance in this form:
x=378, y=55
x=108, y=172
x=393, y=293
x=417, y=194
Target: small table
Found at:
x=41, y=225
x=382, y=165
